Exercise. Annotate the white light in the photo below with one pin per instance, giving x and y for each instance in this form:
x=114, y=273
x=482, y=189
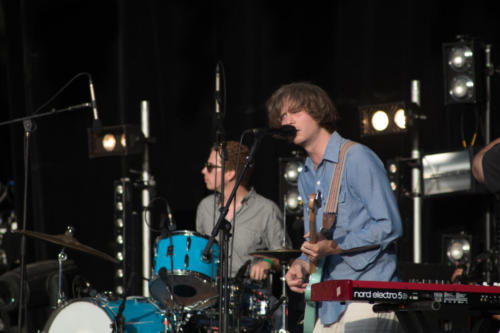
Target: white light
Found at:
x=461, y=86
x=119, y=189
x=460, y=58
x=394, y=186
x=393, y=168
x=119, y=239
x=119, y=222
x=380, y=120
x=400, y=118
x=293, y=201
x=292, y=170
x=458, y=249
x=119, y=256
x=123, y=140
x=109, y=142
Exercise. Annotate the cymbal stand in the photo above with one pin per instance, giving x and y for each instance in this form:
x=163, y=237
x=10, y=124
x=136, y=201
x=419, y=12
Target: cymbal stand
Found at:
x=284, y=297
x=62, y=257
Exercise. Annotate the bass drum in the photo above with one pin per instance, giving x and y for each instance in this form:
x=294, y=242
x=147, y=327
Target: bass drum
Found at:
x=98, y=315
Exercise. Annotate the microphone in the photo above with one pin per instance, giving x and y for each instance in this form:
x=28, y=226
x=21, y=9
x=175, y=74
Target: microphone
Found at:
x=217, y=90
x=171, y=222
x=285, y=131
x=96, y=124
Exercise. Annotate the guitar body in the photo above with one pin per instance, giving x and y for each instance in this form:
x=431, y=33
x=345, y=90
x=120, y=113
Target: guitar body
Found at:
x=315, y=269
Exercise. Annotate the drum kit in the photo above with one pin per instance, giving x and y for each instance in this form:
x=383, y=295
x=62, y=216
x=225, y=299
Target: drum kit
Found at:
x=184, y=292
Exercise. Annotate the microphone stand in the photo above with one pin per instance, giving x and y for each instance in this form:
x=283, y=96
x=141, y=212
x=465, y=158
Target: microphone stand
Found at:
x=28, y=130
x=225, y=226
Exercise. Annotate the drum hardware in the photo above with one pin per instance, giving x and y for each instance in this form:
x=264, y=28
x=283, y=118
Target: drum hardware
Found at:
x=284, y=256
x=61, y=259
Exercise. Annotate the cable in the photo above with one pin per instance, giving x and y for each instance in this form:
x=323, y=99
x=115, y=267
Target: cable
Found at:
x=41, y=107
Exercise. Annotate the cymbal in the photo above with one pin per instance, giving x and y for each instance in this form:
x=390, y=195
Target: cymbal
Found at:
x=280, y=254
x=67, y=240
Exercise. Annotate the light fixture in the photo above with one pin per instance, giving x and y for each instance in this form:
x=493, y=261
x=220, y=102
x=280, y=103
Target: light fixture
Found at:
x=463, y=71
x=127, y=235
x=290, y=168
x=457, y=248
x=120, y=140
x=394, y=175
x=291, y=203
x=449, y=172
x=388, y=118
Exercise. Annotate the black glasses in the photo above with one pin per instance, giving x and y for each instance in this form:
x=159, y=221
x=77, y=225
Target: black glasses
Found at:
x=211, y=166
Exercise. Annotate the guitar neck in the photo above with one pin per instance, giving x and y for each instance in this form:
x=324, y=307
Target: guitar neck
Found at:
x=313, y=236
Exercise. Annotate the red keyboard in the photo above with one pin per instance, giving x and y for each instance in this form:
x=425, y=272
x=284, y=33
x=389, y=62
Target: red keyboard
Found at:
x=405, y=292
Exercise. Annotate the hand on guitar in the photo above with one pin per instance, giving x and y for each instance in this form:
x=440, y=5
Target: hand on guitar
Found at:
x=297, y=276
x=322, y=248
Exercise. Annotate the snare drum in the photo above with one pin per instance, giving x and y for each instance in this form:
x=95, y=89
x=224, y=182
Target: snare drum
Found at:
x=181, y=275
x=98, y=315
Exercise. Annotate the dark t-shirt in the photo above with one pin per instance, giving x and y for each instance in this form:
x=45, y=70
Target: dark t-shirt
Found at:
x=491, y=168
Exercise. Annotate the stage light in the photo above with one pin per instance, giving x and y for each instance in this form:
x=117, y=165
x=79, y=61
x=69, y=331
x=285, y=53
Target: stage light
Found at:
x=400, y=118
x=293, y=202
x=109, y=142
x=449, y=172
x=463, y=63
x=458, y=248
x=292, y=170
x=460, y=58
x=388, y=118
x=380, y=120
x=121, y=140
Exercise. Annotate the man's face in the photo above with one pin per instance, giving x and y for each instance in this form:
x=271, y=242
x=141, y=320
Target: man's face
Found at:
x=212, y=172
x=307, y=127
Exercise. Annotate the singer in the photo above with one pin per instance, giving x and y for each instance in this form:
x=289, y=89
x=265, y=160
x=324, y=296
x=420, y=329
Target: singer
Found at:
x=256, y=221
x=354, y=237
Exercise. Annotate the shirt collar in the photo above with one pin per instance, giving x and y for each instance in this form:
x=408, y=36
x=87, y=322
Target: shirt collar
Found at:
x=331, y=153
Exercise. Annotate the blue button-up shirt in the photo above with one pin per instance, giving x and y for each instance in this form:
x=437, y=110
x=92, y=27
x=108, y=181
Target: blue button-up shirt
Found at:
x=367, y=215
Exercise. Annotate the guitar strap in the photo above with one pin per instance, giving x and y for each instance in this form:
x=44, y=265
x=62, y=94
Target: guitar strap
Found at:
x=332, y=201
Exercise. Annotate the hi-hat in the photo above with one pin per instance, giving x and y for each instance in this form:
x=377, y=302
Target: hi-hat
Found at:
x=67, y=240
x=280, y=254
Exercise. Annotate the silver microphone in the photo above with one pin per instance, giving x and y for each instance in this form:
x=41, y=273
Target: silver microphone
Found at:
x=92, y=100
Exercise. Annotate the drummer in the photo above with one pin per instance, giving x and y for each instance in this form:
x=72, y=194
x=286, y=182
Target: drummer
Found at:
x=256, y=222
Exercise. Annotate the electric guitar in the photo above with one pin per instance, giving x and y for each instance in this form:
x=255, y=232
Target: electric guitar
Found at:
x=315, y=269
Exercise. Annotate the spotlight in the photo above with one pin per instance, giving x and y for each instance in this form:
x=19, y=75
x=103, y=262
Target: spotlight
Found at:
x=121, y=140
x=449, y=172
x=389, y=118
x=292, y=170
x=380, y=120
x=463, y=71
x=293, y=202
x=458, y=248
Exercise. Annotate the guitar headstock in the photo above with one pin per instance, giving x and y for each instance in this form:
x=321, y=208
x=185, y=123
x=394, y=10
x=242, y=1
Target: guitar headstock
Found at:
x=312, y=199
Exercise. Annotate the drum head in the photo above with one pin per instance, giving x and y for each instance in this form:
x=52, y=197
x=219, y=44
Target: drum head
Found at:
x=186, y=290
x=74, y=318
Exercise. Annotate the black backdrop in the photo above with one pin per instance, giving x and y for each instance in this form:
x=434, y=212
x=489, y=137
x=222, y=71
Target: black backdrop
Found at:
x=165, y=51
